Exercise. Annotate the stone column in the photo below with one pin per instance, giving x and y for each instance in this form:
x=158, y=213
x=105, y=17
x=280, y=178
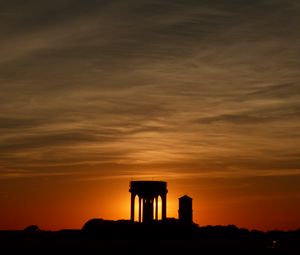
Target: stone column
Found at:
x=156, y=207
x=132, y=207
x=164, y=206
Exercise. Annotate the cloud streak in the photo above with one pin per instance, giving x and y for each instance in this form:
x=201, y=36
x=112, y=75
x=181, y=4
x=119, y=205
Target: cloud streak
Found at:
x=145, y=83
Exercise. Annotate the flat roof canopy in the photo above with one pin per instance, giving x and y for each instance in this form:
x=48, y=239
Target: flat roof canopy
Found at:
x=148, y=187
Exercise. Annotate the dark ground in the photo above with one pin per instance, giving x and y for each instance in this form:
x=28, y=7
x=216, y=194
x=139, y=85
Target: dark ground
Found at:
x=170, y=237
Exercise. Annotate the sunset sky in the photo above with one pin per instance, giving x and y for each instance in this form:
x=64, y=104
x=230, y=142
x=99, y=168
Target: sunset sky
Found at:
x=203, y=94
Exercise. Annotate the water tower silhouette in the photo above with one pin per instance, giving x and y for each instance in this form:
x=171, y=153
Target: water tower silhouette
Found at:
x=185, y=209
x=148, y=192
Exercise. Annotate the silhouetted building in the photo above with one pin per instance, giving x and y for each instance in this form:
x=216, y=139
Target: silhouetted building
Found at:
x=185, y=211
x=148, y=192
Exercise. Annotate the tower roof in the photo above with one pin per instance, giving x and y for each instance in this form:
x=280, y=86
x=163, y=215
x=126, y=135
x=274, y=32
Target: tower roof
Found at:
x=148, y=187
x=185, y=197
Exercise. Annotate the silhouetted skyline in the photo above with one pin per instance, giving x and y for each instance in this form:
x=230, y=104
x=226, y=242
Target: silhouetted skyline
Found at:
x=201, y=94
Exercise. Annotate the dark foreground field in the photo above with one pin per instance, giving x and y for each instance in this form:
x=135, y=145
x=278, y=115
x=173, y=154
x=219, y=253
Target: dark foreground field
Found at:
x=123, y=237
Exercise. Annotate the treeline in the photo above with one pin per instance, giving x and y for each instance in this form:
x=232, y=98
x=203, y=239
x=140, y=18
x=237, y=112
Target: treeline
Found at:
x=99, y=236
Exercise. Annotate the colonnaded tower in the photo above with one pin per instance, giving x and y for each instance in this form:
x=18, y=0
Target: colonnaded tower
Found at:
x=148, y=192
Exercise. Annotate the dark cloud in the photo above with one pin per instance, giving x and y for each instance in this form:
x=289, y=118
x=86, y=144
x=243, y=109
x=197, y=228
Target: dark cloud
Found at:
x=9, y=124
x=50, y=140
x=289, y=90
x=255, y=117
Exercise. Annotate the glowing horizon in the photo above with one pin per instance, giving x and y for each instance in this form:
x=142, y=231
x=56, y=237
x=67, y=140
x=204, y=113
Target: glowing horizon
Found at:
x=204, y=95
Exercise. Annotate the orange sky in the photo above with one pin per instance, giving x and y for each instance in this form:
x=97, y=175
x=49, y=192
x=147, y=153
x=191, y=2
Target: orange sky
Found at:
x=65, y=203
x=202, y=94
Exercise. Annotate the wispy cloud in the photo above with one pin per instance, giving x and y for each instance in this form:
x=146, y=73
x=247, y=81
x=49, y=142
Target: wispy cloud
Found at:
x=147, y=83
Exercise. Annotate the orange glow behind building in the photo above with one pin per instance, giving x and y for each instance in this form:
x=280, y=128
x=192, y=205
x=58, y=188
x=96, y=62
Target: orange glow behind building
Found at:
x=63, y=204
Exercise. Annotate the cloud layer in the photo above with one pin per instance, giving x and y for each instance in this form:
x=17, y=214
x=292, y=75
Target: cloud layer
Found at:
x=184, y=86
